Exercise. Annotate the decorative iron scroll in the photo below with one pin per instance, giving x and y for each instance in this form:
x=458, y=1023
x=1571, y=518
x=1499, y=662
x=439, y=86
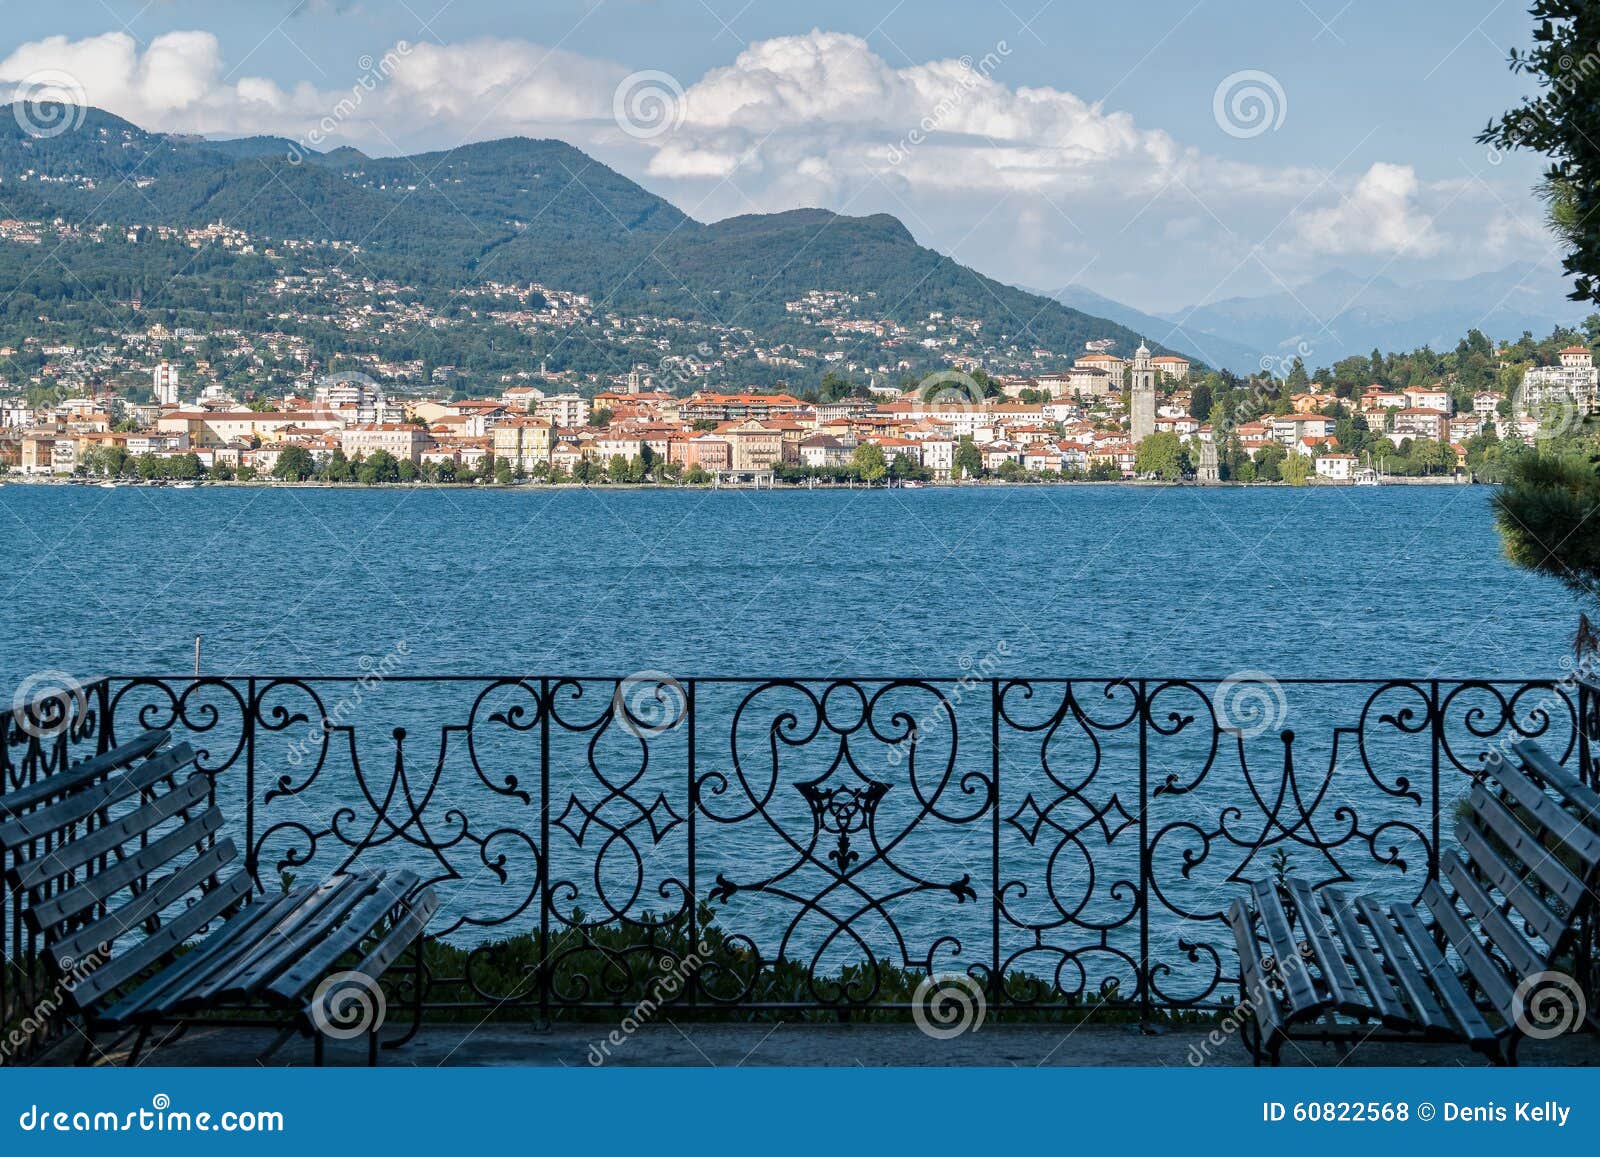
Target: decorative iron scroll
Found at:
x=825, y=843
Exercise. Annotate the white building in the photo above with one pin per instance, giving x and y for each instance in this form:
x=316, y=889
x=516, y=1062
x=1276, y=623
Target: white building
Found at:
x=1571, y=385
x=1336, y=467
x=164, y=381
x=569, y=410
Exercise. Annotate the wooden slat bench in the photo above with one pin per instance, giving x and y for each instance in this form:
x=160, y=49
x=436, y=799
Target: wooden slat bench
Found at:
x=1317, y=964
x=124, y=876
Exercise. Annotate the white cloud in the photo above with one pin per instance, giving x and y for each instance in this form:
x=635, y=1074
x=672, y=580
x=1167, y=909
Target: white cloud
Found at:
x=1382, y=215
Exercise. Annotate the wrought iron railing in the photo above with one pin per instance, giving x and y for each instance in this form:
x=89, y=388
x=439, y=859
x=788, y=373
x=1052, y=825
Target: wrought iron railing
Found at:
x=820, y=844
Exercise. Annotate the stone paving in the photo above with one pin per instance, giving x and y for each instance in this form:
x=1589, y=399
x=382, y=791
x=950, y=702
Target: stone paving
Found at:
x=732, y=1045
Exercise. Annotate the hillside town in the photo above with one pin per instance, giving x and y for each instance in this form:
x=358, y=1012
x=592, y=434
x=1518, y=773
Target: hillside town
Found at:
x=1089, y=421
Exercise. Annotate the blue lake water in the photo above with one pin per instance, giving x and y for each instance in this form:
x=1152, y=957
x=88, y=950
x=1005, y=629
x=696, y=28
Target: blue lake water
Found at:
x=1060, y=581
x=1070, y=583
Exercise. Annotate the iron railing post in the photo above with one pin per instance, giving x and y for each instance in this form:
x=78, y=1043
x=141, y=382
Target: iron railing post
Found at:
x=693, y=802
x=996, y=980
x=1436, y=730
x=545, y=979
x=1146, y=1002
x=251, y=709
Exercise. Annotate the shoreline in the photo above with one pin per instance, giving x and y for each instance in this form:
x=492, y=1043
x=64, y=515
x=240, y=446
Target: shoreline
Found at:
x=277, y=484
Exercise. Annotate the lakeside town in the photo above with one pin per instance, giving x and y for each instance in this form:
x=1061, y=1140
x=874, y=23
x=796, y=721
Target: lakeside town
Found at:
x=1107, y=418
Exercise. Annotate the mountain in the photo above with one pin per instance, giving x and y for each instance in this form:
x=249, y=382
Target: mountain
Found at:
x=1341, y=314
x=512, y=211
x=1189, y=340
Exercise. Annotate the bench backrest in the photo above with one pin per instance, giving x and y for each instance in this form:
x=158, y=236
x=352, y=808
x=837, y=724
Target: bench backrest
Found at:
x=118, y=863
x=1511, y=904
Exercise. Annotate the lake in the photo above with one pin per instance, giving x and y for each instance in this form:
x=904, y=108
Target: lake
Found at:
x=1063, y=580
x=1110, y=825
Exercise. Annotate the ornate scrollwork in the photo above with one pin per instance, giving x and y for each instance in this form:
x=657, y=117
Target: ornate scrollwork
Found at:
x=1063, y=841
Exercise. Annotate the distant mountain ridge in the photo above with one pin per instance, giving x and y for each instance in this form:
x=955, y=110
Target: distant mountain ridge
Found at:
x=1341, y=313
x=1191, y=341
x=520, y=210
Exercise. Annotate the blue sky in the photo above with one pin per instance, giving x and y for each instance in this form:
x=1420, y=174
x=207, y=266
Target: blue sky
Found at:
x=1085, y=142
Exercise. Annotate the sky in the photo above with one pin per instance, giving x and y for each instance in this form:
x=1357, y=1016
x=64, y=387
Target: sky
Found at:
x=1165, y=154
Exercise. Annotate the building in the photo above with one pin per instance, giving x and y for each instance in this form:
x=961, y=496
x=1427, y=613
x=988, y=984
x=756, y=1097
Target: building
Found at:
x=707, y=451
x=207, y=429
x=401, y=439
x=756, y=447
x=1428, y=398
x=708, y=407
x=1418, y=422
x=164, y=381
x=1290, y=429
x=1336, y=467
x=568, y=410
x=1574, y=385
x=355, y=397
x=523, y=442
x=1142, y=403
x=822, y=451
x=1172, y=368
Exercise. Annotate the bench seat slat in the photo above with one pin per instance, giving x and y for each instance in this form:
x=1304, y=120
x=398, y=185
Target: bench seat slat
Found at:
x=1505, y=939
x=1542, y=764
x=1488, y=975
x=80, y=806
x=295, y=938
x=1549, y=927
x=155, y=994
x=361, y=922
x=1561, y=824
x=1385, y=1000
x=1527, y=847
x=1252, y=974
x=74, y=853
x=1335, y=972
x=1446, y=984
x=159, y=896
x=25, y=799
x=285, y=919
x=1425, y=1011
x=126, y=965
x=418, y=911
x=1296, y=977
x=99, y=887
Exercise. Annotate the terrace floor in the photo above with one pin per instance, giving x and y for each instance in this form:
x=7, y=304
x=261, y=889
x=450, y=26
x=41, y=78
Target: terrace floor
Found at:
x=732, y=1045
